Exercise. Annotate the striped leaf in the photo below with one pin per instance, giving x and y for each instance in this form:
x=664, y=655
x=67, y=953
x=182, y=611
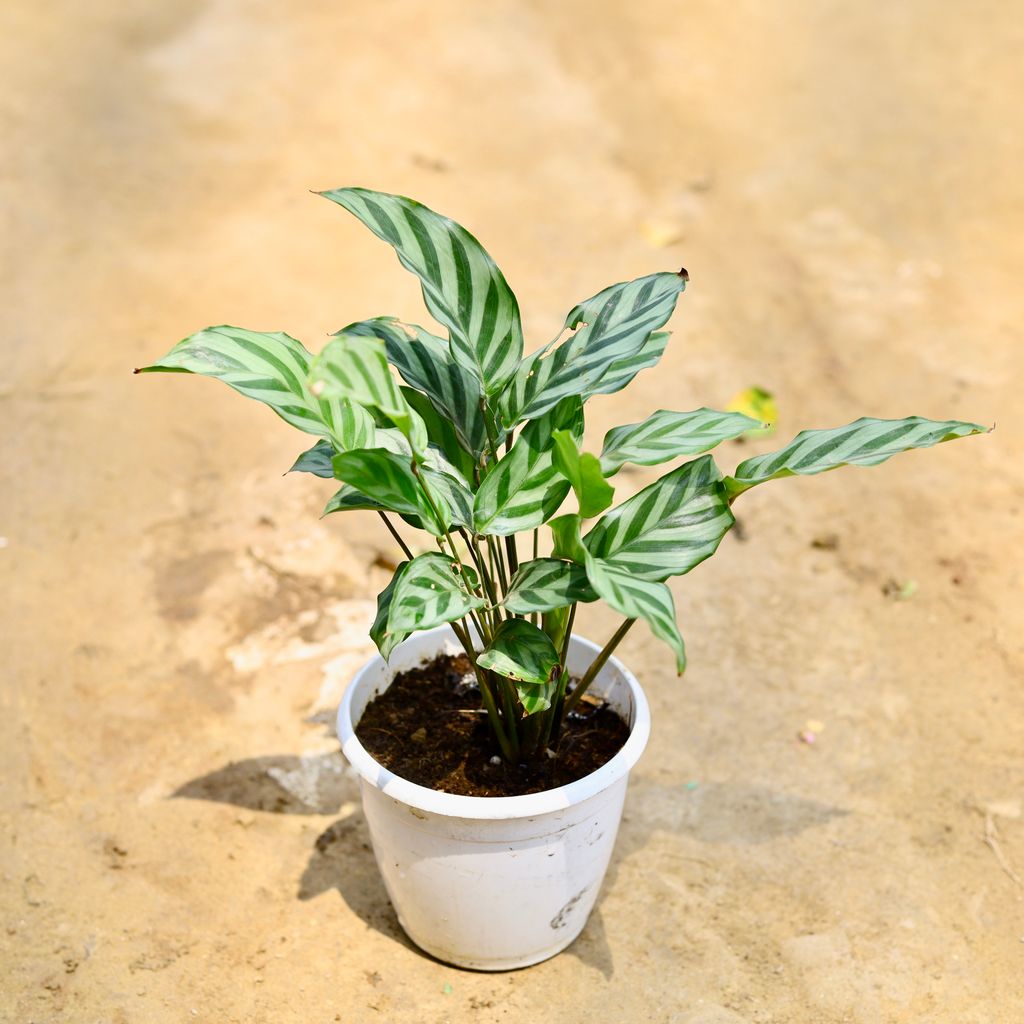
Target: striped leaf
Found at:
x=348, y=499
x=381, y=632
x=622, y=371
x=271, y=368
x=388, y=478
x=667, y=528
x=462, y=287
x=612, y=326
x=593, y=493
x=666, y=435
x=524, y=489
x=865, y=442
x=544, y=584
x=446, y=451
x=354, y=366
x=426, y=363
x=639, y=599
x=431, y=591
x=521, y=652
x=317, y=460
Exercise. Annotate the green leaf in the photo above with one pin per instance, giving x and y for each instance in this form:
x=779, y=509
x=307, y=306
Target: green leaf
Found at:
x=621, y=373
x=667, y=528
x=666, y=435
x=639, y=599
x=388, y=478
x=381, y=632
x=544, y=584
x=612, y=326
x=865, y=442
x=444, y=441
x=317, y=460
x=593, y=493
x=462, y=287
x=271, y=368
x=521, y=652
x=430, y=591
x=426, y=363
x=524, y=489
x=354, y=366
x=348, y=499
x=565, y=533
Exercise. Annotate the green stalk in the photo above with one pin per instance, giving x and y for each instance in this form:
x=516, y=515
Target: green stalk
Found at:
x=596, y=665
x=494, y=716
x=553, y=725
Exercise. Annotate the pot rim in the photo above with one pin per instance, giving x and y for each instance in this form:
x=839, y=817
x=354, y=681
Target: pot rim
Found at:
x=494, y=807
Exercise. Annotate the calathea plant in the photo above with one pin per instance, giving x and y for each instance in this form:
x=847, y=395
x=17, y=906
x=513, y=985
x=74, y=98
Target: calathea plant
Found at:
x=480, y=447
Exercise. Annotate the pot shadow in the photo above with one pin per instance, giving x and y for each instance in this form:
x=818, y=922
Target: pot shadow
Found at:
x=729, y=813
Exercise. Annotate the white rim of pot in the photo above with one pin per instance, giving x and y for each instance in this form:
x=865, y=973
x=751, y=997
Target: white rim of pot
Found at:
x=494, y=807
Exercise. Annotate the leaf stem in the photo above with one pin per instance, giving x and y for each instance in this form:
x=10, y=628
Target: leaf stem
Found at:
x=394, y=533
x=596, y=665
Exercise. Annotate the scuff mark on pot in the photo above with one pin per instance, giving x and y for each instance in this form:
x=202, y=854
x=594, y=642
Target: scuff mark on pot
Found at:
x=561, y=919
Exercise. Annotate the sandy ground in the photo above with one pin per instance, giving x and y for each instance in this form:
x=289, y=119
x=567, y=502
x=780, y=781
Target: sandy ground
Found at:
x=181, y=840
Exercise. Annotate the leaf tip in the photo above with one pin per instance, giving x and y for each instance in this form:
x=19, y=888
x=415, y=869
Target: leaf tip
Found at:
x=683, y=274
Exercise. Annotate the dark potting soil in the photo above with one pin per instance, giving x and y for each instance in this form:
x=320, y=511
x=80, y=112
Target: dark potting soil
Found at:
x=427, y=727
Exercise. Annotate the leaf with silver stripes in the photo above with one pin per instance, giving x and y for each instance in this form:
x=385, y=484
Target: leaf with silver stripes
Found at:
x=639, y=599
x=462, y=287
x=271, y=368
x=521, y=652
x=432, y=590
x=612, y=326
x=381, y=632
x=348, y=499
x=865, y=442
x=667, y=528
x=388, y=478
x=543, y=584
x=622, y=371
x=666, y=435
x=426, y=363
x=354, y=366
x=524, y=489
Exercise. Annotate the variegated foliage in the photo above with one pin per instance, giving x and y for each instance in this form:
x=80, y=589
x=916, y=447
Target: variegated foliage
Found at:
x=469, y=440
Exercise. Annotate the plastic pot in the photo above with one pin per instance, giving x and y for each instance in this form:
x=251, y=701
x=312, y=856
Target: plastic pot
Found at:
x=493, y=883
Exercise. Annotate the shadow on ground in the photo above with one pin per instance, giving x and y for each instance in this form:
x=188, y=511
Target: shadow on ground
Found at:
x=728, y=813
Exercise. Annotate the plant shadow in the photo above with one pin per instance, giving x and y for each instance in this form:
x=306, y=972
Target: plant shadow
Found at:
x=342, y=857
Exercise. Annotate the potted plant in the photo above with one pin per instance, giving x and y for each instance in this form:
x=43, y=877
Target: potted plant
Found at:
x=478, y=450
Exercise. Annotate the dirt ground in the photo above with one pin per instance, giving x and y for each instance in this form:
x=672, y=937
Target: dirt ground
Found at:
x=181, y=839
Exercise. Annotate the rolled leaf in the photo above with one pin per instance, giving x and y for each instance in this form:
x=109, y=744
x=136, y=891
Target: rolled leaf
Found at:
x=543, y=584
x=612, y=326
x=427, y=364
x=639, y=599
x=865, y=442
x=593, y=493
x=565, y=535
x=524, y=489
x=388, y=478
x=432, y=590
x=271, y=368
x=666, y=435
x=667, y=528
x=354, y=366
x=462, y=287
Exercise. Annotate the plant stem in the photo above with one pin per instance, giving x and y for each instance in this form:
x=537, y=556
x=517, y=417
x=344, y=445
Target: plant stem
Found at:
x=510, y=751
x=553, y=726
x=394, y=533
x=596, y=665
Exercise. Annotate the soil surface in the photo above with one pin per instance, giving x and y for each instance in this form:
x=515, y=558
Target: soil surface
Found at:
x=828, y=823
x=428, y=727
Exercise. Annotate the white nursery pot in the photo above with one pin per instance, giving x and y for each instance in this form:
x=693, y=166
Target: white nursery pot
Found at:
x=493, y=883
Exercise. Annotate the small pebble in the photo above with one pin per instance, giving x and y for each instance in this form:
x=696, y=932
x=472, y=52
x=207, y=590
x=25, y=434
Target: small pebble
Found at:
x=495, y=760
